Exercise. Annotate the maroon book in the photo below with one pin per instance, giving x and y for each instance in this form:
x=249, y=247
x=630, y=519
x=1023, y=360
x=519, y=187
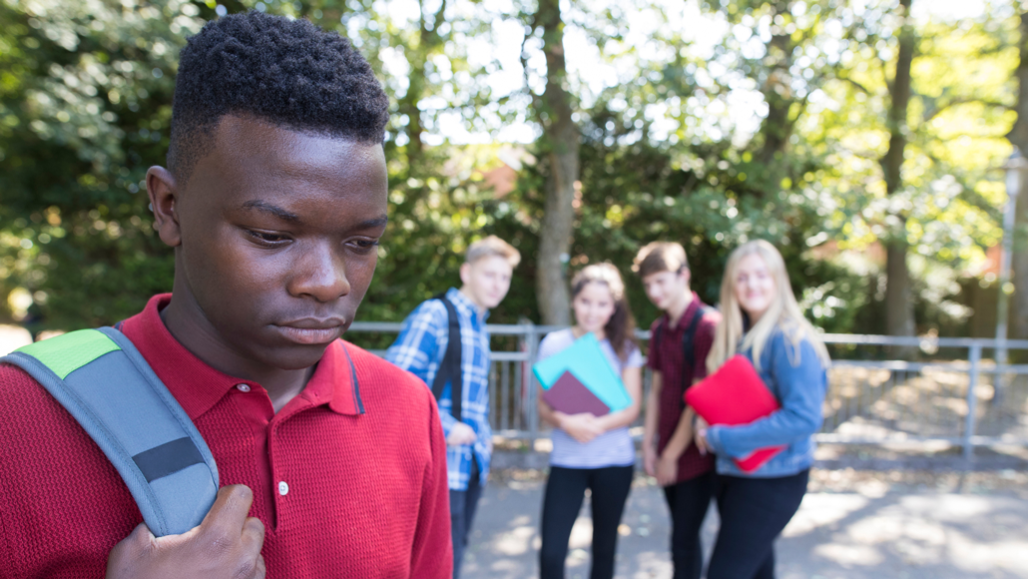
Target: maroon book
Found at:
x=570, y=396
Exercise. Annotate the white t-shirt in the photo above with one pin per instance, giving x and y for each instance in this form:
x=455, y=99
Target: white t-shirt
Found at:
x=612, y=448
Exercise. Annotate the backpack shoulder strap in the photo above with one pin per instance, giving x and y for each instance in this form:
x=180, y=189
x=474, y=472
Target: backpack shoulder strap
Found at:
x=690, y=333
x=688, y=350
x=450, y=367
x=106, y=385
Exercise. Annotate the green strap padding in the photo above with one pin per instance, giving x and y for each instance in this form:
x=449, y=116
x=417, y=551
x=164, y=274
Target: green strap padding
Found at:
x=68, y=352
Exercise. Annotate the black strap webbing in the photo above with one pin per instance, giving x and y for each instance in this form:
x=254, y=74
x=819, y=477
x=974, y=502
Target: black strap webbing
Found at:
x=687, y=343
x=688, y=353
x=450, y=366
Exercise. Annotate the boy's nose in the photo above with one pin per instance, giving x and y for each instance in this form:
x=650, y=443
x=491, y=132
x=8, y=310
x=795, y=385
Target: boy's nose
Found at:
x=321, y=275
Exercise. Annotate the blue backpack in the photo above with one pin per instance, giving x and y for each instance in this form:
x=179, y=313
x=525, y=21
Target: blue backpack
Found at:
x=104, y=382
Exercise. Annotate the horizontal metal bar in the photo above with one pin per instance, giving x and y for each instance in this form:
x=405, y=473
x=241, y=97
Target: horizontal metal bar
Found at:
x=509, y=356
x=519, y=434
x=854, y=339
x=494, y=329
x=861, y=339
x=997, y=440
x=390, y=327
x=954, y=366
x=829, y=439
x=891, y=365
x=832, y=438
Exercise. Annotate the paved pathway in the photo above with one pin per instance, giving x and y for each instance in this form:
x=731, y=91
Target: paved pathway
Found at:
x=876, y=531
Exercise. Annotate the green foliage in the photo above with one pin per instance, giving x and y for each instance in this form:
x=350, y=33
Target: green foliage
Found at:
x=86, y=86
x=85, y=105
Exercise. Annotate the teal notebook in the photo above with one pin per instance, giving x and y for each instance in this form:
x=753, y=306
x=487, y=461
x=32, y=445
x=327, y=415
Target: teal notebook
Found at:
x=586, y=361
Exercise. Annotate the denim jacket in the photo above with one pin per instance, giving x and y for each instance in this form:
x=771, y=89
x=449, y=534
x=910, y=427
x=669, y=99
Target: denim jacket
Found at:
x=800, y=390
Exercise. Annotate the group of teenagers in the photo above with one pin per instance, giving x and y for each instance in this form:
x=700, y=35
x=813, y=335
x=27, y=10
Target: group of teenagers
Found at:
x=331, y=461
x=693, y=461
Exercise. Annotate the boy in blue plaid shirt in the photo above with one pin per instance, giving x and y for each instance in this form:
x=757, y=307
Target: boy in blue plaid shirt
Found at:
x=421, y=348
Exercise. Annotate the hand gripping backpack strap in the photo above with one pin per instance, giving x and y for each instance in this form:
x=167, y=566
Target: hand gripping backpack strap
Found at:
x=450, y=368
x=106, y=385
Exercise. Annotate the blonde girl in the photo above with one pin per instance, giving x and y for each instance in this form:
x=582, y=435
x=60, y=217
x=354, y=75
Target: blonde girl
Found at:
x=762, y=321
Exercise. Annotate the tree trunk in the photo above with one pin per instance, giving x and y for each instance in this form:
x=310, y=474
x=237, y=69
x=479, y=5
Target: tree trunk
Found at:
x=777, y=127
x=417, y=58
x=1019, y=138
x=899, y=307
x=562, y=144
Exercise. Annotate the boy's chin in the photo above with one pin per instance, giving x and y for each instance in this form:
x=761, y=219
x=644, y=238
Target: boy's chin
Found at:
x=296, y=357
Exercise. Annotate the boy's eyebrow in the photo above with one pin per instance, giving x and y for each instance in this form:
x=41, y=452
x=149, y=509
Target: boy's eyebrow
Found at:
x=273, y=209
x=290, y=216
x=376, y=222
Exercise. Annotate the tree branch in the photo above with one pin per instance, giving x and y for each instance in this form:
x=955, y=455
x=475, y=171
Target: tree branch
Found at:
x=856, y=84
x=932, y=113
x=524, y=61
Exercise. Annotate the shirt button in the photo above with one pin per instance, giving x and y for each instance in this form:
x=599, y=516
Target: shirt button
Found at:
x=283, y=488
x=243, y=387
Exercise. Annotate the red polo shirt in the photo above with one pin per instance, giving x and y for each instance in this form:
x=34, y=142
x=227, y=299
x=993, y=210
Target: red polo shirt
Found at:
x=349, y=478
x=668, y=358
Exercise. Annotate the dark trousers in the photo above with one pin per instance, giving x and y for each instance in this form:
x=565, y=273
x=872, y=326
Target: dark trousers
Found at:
x=565, y=490
x=753, y=513
x=462, y=512
x=688, y=502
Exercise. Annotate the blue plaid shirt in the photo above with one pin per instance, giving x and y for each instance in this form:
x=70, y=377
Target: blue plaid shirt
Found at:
x=420, y=348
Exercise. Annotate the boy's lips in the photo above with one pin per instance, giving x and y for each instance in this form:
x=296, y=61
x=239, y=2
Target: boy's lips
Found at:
x=312, y=331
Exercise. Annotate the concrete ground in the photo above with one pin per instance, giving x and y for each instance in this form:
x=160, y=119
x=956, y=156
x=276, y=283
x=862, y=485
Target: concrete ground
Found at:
x=852, y=525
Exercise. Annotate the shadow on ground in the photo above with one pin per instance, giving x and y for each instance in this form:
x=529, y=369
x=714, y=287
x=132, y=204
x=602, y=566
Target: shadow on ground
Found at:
x=876, y=529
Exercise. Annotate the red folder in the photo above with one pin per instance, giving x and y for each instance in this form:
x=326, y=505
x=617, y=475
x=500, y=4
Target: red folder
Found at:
x=735, y=394
x=570, y=396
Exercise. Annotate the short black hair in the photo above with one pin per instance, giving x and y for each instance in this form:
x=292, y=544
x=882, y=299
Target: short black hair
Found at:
x=287, y=72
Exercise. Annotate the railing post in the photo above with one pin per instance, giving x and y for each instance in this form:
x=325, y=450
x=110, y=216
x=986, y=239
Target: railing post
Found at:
x=972, y=400
x=531, y=351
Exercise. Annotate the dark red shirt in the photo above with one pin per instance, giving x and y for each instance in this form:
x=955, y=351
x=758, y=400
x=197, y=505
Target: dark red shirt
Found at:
x=349, y=478
x=668, y=358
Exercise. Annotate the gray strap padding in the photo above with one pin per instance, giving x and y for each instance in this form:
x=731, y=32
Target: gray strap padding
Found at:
x=145, y=433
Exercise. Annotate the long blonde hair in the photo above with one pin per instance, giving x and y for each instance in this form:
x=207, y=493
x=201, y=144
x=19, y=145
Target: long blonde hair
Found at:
x=784, y=313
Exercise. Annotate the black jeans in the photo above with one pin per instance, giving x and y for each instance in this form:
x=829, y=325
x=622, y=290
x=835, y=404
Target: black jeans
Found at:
x=753, y=513
x=462, y=511
x=688, y=502
x=565, y=490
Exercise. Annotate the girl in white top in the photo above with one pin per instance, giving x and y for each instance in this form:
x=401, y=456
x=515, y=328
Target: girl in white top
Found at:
x=594, y=452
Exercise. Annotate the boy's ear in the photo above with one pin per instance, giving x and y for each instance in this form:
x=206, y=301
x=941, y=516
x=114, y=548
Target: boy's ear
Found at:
x=465, y=272
x=161, y=188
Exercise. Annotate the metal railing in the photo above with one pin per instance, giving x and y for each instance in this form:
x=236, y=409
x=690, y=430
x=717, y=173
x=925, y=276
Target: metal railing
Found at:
x=881, y=389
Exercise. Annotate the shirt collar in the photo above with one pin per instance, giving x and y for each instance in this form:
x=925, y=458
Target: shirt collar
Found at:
x=465, y=305
x=198, y=387
x=691, y=310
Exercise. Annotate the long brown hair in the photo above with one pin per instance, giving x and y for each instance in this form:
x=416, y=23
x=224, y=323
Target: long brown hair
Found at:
x=620, y=328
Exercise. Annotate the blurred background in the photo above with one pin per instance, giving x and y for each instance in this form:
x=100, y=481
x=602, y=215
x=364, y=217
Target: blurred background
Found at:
x=867, y=139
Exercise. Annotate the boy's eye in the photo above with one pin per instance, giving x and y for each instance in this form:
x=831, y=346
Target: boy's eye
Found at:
x=267, y=238
x=364, y=246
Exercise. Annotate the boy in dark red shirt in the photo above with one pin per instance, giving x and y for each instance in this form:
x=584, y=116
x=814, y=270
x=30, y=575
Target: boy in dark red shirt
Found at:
x=332, y=461
x=679, y=343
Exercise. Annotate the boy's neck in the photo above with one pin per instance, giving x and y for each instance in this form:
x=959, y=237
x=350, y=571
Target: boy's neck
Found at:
x=467, y=294
x=677, y=308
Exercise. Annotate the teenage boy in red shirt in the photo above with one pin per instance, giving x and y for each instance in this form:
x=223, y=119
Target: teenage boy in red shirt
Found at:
x=680, y=342
x=332, y=461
